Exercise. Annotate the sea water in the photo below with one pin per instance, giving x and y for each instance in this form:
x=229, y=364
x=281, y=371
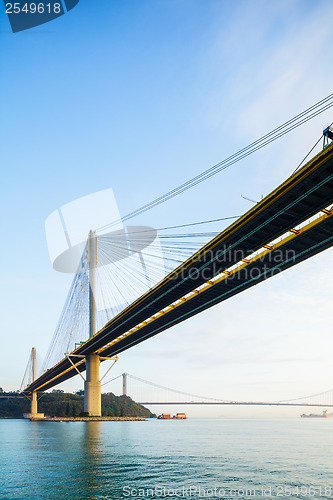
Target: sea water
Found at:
x=195, y=458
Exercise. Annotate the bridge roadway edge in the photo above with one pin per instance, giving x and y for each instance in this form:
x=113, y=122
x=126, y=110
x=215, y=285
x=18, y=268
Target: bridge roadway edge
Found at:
x=313, y=190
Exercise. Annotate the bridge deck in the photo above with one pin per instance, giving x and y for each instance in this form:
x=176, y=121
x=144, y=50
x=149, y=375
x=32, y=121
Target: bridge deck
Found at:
x=301, y=196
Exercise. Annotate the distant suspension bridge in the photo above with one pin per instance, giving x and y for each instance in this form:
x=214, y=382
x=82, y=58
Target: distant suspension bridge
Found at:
x=149, y=393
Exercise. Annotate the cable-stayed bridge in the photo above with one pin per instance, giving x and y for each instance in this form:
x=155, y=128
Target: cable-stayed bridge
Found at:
x=291, y=224
x=149, y=393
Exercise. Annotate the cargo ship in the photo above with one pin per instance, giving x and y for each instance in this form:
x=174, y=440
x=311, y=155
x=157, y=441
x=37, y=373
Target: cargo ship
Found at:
x=314, y=415
x=180, y=416
x=167, y=416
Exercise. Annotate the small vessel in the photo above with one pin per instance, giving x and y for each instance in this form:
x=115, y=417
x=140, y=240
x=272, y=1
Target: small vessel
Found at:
x=180, y=416
x=167, y=416
x=314, y=415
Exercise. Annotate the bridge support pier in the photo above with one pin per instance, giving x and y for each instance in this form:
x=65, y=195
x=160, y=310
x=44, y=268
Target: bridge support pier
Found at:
x=33, y=404
x=92, y=387
x=33, y=415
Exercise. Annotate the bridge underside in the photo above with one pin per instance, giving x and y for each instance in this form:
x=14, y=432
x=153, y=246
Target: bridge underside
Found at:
x=243, y=255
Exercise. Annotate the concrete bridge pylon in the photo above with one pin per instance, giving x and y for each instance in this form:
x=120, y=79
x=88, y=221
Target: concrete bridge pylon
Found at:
x=33, y=396
x=92, y=385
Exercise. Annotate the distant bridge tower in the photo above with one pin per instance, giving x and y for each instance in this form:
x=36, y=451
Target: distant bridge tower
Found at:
x=31, y=373
x=92, y=385
x=33, y=405
x=125, y=384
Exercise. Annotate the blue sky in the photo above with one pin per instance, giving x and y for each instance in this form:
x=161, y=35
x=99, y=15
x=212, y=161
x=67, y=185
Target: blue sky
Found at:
x=141, y=96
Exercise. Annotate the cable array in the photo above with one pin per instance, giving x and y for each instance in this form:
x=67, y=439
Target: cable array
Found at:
x=133, y=260
x=73, y=325
x=128, y=265
x=158, y=393
x=303, y=117
x=127, y=269
x=28, y=376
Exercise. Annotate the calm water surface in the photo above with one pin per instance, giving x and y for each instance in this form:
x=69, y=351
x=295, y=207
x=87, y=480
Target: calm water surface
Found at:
x=96, y=460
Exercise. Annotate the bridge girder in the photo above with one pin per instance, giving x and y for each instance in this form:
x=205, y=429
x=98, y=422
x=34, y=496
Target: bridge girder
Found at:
x=300, y=197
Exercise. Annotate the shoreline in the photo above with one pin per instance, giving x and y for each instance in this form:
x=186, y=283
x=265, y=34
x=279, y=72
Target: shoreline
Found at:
x=89, y=419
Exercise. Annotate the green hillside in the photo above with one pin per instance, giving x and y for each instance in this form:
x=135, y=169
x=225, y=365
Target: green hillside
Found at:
x=60, y=404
